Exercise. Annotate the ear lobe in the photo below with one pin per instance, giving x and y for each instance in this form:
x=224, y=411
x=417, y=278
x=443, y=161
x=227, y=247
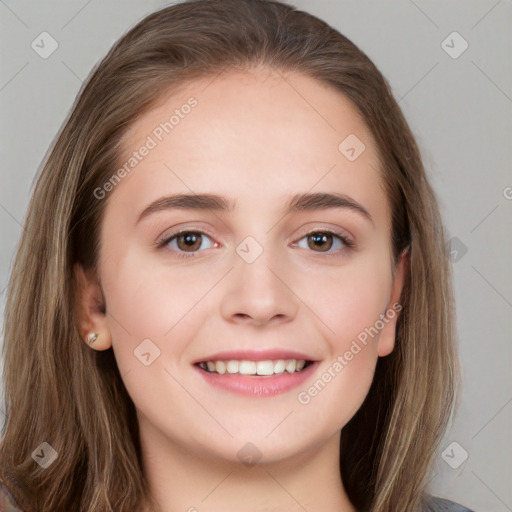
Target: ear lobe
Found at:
x=90, y=315
x=387, y=335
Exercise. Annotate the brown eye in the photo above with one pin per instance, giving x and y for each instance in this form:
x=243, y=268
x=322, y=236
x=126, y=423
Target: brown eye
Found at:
x=188, y=241
x=320, y=240
x=332, y=244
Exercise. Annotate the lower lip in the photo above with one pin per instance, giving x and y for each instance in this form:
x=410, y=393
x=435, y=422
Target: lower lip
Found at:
x=256, y=385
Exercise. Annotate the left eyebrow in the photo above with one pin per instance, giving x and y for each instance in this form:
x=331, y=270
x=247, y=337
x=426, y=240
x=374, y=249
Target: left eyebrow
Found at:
x=324, y=201
x=297, y=203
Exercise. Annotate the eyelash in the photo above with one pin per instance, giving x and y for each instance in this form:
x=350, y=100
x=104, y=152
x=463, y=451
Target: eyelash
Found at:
x=348, y=243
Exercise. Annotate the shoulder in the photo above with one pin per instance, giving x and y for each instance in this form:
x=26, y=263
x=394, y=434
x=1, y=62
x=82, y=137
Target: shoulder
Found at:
x=435, y=504
x=7, y=501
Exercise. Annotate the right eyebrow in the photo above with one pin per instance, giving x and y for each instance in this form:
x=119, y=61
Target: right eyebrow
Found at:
x=190, y=202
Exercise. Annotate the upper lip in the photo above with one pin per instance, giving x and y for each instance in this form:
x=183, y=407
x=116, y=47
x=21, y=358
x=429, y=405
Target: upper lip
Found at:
x=256, y=355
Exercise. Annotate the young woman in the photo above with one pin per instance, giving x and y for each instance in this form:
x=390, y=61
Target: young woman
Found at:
x=231, y=292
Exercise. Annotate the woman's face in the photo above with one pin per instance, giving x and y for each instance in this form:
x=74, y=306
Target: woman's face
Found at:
x=255, y=277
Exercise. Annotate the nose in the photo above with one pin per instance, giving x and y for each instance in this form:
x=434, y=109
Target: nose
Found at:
x=261, y=292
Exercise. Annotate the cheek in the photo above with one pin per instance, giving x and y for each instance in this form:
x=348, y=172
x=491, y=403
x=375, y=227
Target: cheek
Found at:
x=145, y=301
x=349, y=300
x=154, y=313
x=348, y=303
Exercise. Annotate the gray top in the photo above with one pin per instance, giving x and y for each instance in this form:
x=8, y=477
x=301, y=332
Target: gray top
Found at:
x=442, y=505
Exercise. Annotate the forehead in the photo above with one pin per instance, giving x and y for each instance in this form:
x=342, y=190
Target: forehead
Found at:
x=249, y=135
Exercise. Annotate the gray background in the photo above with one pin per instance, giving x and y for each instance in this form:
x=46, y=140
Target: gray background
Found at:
x=460, y=111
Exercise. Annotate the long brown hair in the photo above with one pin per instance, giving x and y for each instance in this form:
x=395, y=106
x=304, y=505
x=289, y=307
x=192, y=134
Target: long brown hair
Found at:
x=58, y=390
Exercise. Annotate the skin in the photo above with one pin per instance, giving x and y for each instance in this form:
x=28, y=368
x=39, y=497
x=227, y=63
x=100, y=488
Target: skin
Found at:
x=257, y=137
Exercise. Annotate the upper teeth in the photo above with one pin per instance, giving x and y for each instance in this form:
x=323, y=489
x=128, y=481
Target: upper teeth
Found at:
x=254, y=367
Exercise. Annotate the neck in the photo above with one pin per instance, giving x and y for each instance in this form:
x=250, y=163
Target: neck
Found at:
x=181, y=479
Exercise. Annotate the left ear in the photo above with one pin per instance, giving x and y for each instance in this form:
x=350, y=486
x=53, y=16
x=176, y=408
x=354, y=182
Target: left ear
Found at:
x=387, y=335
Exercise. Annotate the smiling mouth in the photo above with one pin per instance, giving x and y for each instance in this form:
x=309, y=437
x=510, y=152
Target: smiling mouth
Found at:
x=255, y=368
